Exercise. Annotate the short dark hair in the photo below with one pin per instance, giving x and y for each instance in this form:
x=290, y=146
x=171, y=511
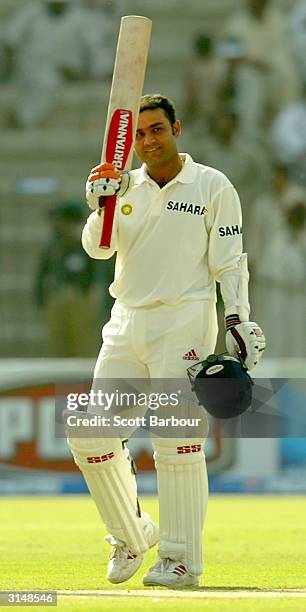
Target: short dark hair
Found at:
x=152, y=101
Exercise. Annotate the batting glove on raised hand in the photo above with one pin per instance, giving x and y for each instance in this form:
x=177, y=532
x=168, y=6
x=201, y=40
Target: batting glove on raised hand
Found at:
x=105, y=180
x=246, y=341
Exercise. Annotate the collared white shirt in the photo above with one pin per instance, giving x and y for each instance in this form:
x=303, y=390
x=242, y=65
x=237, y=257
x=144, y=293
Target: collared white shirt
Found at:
x=174, y=242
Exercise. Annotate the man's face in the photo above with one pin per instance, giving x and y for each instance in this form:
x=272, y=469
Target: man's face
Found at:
x=156, y=138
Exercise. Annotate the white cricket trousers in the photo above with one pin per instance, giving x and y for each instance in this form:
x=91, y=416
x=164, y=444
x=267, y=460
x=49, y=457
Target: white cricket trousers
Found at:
x=153, y=342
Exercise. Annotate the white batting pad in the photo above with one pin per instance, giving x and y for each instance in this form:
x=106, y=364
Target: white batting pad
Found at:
x=107, y=470
x=183, y=495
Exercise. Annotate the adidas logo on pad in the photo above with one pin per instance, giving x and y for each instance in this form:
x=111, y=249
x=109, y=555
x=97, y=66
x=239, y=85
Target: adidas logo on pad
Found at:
x=191, y=355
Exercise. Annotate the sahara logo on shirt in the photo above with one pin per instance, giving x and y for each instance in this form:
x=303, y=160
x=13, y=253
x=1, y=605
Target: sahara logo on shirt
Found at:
x=186, y=207
x=229, y=230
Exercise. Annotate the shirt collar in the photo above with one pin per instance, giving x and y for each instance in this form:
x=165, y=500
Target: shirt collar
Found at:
x=186, y=175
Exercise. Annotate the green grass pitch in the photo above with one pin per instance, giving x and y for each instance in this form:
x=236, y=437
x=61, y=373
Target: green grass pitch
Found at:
x=251, y=542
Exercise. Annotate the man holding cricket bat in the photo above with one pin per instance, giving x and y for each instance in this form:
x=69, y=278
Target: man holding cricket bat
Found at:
x=177, y=230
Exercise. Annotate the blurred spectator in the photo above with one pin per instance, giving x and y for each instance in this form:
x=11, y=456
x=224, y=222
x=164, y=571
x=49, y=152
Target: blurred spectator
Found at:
x=227, y=149
x=231, y=52
x=201, y=84
x=50, y=42
x=98, y=22
x=262, y=70
x=297, y=28
x=68, y=288
x=267, y=214
x=288, y=138
x=277, y=260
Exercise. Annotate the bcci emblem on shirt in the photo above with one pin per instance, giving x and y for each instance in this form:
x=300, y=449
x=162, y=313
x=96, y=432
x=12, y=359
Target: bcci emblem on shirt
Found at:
x=126, y=209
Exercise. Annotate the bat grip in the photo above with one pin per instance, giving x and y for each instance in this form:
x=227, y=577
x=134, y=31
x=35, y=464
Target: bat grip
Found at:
x=109, y=204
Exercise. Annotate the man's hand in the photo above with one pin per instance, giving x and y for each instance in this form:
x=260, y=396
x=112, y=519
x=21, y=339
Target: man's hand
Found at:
x=246, y=341
x=105, y=180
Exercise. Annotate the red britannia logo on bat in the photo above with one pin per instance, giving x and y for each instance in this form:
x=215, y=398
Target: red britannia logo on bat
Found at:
x=120, y=138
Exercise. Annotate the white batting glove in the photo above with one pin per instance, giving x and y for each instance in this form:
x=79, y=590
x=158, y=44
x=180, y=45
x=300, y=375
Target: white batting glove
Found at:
x=105, y=180
x=245, y=340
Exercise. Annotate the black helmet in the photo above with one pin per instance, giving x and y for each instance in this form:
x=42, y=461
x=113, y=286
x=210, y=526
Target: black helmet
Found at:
x=222, y=386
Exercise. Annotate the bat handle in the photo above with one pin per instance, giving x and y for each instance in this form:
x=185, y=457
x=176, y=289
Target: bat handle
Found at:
x=109, y=204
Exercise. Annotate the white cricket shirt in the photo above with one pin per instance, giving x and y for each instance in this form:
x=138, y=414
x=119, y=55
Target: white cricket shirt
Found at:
x=172, y=243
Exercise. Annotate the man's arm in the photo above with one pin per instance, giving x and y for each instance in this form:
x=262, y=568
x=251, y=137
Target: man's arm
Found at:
x=91, y=236
x=229, y=267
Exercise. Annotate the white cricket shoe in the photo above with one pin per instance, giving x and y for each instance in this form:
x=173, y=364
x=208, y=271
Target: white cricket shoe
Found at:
x=123, y=563
x=169, y=573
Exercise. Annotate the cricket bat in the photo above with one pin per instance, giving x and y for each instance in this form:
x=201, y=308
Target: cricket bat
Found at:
x=123, y=107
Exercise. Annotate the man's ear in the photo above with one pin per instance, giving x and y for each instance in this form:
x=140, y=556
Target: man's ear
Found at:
x=176, y=128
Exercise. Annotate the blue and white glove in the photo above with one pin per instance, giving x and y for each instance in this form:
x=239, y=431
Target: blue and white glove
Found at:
x=244, y=340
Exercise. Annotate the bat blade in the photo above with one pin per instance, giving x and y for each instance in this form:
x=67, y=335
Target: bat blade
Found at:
x=126, y=90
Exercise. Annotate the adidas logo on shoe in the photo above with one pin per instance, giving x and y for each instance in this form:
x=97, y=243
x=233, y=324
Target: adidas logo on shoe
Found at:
x=173, y=574
x=180, y=570
x=191, y=355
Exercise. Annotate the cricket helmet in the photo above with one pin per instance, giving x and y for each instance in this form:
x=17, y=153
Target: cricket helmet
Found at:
x=222, y=386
